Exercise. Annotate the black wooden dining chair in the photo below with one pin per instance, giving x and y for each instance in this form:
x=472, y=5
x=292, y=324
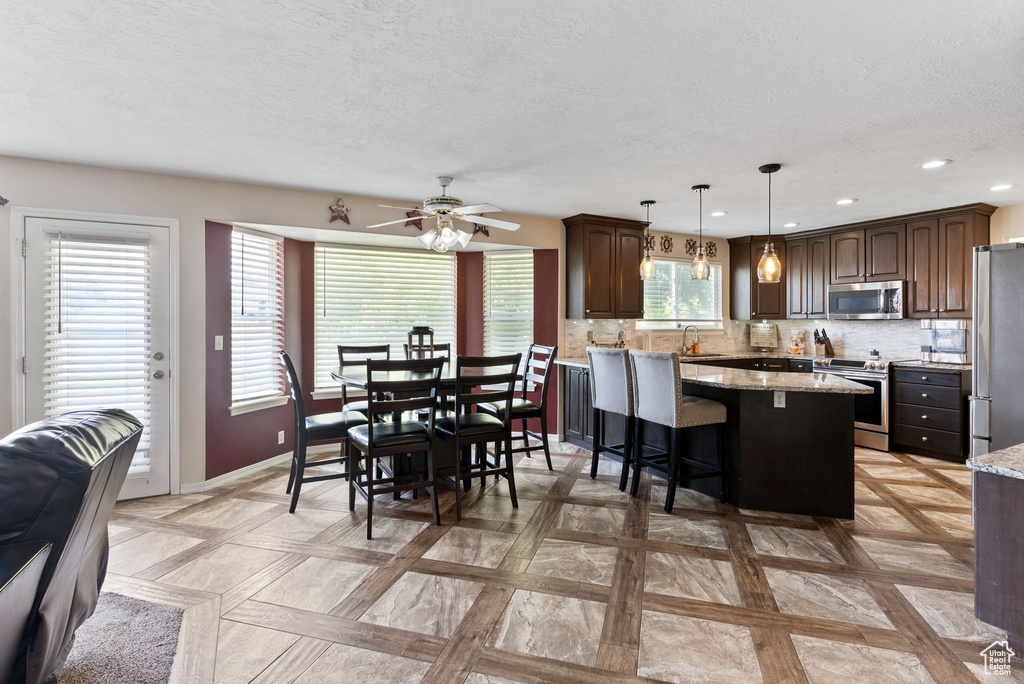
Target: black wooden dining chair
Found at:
x=464, y=429
x=322, y=427
x=356, y=355
x=416, y=384
x=540, y=361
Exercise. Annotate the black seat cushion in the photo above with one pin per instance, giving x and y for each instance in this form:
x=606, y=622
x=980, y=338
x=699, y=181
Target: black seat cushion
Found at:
x=324, y=426
x=361, y=406
x=521, y=408
x=471, y=425
x=390, y=434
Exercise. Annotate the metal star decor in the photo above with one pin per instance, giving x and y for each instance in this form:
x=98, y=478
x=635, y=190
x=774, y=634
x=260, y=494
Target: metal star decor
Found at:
x=711, y=248
x=477, y=228
x=416, y=219
x=339, y=211
x=3, y=201
x=666, y=243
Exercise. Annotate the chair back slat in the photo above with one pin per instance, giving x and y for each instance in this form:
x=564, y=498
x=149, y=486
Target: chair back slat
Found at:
x=423, y=378
x=357, y=355
x=541, y=357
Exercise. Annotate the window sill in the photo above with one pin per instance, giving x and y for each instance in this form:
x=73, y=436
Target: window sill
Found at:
x=258, y=404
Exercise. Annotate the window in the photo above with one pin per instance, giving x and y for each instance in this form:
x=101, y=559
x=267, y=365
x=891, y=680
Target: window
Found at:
x=257, y=320
x=367, y=295
x=672, y=299
x=508, y=302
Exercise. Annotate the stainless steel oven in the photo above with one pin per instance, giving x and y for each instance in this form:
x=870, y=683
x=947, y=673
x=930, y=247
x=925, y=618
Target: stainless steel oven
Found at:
x=870, y=411
x=872, y=301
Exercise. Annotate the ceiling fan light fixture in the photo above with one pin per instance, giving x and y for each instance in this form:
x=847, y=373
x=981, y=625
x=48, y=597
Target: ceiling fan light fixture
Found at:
x=769, y=268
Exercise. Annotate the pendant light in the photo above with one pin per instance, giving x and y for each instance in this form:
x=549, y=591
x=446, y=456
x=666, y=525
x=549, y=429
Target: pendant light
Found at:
x=700, y=267
x=647, y=268
x=769, y=268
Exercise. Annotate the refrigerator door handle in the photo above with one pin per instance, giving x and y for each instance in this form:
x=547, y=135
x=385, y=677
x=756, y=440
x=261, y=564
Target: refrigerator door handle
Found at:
x=982, y=342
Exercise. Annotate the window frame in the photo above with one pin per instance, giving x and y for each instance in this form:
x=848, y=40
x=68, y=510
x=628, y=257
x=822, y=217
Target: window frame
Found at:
x=239, y=404
x=669, y=324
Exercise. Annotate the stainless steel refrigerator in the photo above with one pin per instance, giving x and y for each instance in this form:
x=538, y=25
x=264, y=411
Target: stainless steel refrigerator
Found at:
x=997, y=400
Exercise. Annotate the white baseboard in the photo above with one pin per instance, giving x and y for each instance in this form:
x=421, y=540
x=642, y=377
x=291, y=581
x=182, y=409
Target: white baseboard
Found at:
x=198, y=487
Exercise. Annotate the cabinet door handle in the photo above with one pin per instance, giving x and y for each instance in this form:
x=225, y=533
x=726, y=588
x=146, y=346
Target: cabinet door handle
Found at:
x=869, y=274
x=925, y=378
x=924, y=396
x=941, y=310
x=934, y=310
x=924, y=439
x=924, y=417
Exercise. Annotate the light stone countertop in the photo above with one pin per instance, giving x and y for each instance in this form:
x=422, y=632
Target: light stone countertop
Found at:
x=933, y=365
x=767, y=381
x=1008, y=462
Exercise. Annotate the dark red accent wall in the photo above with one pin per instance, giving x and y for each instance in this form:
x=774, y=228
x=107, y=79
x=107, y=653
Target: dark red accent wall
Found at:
x=232, y=442
x=470, y=303
x=545, y=319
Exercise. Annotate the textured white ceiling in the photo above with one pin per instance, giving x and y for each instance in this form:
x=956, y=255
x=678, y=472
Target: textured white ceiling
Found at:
x=547, y=107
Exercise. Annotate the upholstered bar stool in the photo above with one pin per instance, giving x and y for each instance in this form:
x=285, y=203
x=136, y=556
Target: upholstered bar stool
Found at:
x=611, y=391
x=658, y=398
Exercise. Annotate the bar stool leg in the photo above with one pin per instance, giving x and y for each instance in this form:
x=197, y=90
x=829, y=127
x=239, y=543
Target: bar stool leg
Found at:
x=509, y=472
x=369, y=495
x=354, y=456
x=295, y=456
x=526, y=441
x=432, y=489
x=635, y=487
x=300, y=469
x=627, y=451
x=458, y=484
x=597, y=443
x=673, y=469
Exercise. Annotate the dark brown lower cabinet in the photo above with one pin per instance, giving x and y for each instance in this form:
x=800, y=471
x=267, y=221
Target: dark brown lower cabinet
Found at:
x=929, y=412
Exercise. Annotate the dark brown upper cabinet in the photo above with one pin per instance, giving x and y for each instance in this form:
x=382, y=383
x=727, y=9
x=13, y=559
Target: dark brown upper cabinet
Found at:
x=602, y=260
x=940, y=263
x=869, y=255
x=749, y=298
x=922, y=269
x=808, y=277
x=848, y=257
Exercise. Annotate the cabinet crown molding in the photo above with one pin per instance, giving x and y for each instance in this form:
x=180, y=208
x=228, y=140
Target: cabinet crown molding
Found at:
x=980, y=208
x=594, y=219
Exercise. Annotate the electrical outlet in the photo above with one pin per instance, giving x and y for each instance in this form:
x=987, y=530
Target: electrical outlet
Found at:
x=280, y=435
x=780, y=400
x=218, y=343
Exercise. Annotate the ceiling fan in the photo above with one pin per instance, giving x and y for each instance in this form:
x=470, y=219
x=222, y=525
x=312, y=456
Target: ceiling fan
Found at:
x=446, y=208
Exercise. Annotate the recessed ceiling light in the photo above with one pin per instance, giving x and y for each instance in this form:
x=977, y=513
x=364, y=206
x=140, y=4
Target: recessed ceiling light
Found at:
x=997, y=188
x=719, y=213
x=848, y=200
x=790, y=225
x=936, y=163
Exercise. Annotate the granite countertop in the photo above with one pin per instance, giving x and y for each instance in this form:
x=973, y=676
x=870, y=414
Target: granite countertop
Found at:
x=696, y=358
x=736, y=378
x=933, y=365
x=1008, y=462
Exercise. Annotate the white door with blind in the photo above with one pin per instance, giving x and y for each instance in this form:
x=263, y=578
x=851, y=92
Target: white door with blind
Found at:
x=97, y=330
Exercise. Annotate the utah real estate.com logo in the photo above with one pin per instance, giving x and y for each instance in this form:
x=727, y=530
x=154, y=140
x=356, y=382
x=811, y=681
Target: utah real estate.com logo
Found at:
x=997, y=658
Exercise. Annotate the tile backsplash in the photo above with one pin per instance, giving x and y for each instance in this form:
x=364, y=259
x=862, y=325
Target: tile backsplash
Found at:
x=894, y=339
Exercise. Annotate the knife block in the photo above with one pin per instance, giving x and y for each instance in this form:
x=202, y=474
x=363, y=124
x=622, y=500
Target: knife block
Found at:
x=823, y=349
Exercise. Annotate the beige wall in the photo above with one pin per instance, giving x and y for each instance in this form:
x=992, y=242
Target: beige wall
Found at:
x=1006, y=223
x=46, y=185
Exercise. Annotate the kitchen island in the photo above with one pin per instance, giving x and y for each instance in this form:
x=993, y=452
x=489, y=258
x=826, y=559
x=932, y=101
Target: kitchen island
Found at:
x=794, y=458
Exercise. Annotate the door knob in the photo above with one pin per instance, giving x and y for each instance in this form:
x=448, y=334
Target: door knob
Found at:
x=924, y=396
x=925, y=417
x=941, y=310
x=934, y=310
x=924, y=439
x=924, y=377
x=158, y=375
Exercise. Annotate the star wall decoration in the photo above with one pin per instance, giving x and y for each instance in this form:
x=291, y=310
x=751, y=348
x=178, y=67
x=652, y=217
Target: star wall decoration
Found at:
x=3, y=201
x=339, y=211
x=477, y=228
x=415, y=219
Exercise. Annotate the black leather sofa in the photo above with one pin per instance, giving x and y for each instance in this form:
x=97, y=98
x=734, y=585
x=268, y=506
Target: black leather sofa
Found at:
x=59, y=480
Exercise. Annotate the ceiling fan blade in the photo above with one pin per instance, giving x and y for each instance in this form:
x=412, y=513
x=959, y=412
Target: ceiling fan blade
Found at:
x=401, y=220
x=477, y=209
x=494, y=223
x=389, y=206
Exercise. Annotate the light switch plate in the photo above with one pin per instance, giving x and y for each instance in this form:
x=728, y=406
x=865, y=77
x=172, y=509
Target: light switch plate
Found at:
x=218, y=343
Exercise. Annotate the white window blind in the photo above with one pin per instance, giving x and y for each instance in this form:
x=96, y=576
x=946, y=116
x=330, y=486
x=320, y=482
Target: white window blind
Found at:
x=98, y=335
x=673, y=299
x=367, y=295
x=508, y=302
x=257, y=316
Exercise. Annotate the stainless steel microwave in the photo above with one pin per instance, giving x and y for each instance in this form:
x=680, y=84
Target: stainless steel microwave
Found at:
x=872, y=301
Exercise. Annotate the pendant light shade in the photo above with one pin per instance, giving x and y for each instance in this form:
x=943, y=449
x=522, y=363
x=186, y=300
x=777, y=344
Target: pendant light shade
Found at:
x=647, y=268
x=700, y=267
x=769, y=268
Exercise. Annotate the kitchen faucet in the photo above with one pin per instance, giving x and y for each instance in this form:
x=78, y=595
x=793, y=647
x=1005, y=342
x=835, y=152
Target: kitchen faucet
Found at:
x=696, y=339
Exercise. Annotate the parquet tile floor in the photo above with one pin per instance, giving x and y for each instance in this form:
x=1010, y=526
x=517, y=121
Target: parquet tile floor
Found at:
x=579, y=584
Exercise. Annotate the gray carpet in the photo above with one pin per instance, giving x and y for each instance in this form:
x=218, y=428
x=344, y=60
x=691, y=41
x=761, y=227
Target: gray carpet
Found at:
x=126, y=641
